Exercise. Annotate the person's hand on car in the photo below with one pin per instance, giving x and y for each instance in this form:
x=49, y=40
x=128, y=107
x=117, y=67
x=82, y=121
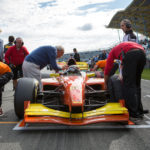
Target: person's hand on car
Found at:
x=64, y=67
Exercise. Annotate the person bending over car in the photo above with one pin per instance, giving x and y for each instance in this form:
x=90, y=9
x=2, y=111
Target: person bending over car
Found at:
x=39, y=58
x=5, y=76
x=133, y=59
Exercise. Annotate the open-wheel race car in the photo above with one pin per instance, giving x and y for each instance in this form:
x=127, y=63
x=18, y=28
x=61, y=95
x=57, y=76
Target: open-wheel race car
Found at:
x=70, y=98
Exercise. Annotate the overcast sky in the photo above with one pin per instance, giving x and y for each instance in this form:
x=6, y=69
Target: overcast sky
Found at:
x=70, y=23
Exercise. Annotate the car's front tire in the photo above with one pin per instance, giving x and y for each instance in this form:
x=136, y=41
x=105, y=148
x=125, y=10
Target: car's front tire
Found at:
x=26, y=90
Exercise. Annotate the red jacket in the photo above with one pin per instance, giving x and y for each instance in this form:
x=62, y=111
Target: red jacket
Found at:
x=14, y=56
x=116, y=51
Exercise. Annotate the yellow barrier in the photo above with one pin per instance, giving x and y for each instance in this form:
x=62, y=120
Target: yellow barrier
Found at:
x=81, y=65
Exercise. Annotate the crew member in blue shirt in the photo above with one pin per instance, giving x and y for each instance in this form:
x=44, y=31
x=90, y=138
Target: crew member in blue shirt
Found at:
x=39, y=58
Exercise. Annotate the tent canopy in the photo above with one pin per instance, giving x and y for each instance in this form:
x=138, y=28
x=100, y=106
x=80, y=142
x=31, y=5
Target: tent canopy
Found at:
x=138, y=12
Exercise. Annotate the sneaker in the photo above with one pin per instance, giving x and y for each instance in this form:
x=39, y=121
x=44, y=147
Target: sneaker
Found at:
x=1, y=112
x=145, y=111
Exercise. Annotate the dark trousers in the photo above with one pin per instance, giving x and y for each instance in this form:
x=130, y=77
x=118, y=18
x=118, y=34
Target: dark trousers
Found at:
x=3, y=80
x=17, y=71
x=133, y=65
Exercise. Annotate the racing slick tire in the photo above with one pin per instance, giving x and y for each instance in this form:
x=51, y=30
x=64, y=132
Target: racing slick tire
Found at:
x=26, y=90
x=115, y=88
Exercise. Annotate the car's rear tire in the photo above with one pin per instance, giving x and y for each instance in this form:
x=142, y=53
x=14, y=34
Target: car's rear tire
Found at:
x=26, y=90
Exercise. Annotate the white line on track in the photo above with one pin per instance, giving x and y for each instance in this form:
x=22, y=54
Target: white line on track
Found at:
x=146, y=80
x=147, y=117
x=146, y=96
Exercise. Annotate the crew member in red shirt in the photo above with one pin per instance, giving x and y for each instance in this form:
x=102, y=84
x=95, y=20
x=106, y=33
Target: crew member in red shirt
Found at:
x=132, y=56
x=5, y=76
x=14, y=57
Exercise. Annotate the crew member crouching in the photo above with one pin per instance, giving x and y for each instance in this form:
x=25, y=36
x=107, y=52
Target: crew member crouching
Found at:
x=5, y=76
x=101, y=65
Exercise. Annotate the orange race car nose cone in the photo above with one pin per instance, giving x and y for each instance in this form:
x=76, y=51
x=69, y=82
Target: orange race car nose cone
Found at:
x=76, y=95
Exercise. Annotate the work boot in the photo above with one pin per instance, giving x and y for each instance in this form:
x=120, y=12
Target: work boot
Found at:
x=145, y=111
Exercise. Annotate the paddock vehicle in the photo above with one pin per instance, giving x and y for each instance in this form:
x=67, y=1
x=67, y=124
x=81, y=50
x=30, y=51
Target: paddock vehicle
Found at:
x=71, y=98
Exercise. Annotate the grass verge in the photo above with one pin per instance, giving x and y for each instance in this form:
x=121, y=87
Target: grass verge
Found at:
x=146, y=74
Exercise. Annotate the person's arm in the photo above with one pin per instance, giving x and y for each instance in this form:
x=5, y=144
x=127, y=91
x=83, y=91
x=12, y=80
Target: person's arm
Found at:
x=109, y=63
x=52, y=60
x=95, y=68
x=26, y=52
x=54, y=65
x=5, y=48
x=105, y=80
x=114, y=69
x=108, y=68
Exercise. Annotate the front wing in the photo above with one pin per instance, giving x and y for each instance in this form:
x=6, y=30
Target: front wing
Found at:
x=111, y=112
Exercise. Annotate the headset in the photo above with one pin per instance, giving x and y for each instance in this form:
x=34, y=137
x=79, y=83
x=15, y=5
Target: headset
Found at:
x=22, y=43
x=21, y=39
x=127, y=23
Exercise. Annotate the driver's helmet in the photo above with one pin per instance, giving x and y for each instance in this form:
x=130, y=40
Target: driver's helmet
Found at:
x=71, y=62
x=73, y=69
